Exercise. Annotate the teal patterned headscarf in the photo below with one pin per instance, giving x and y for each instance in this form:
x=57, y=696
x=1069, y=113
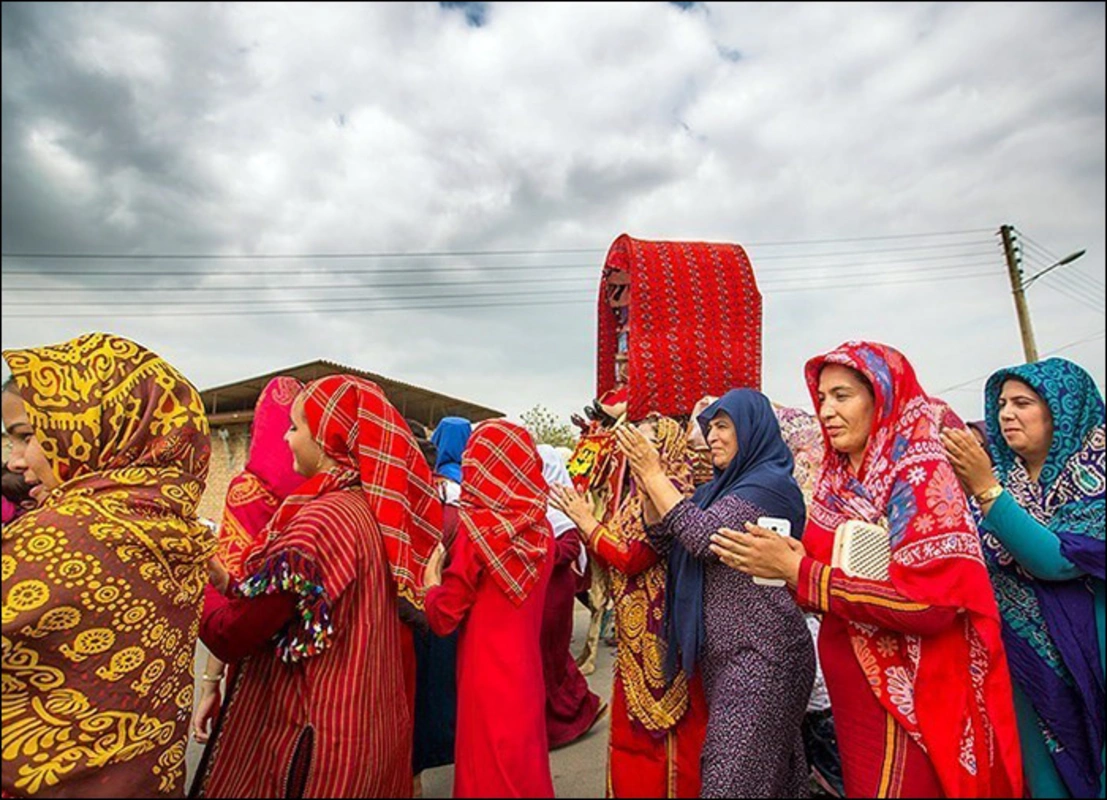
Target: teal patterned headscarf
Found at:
x=1073, y=399
x=1049, y=627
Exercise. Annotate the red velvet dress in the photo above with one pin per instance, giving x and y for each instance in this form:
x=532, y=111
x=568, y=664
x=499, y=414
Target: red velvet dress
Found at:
x=501, y=748
x=570, y=705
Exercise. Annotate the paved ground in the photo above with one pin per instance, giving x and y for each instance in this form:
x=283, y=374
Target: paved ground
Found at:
x=578, y=768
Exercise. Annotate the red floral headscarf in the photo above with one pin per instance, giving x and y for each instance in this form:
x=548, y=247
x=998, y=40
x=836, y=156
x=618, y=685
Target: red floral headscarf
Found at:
x=950, y=691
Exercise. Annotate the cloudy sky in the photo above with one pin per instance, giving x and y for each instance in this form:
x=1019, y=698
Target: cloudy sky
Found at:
x=475, y=161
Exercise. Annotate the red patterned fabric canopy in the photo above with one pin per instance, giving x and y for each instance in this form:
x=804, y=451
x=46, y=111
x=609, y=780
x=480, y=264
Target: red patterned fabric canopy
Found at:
x=693, y=323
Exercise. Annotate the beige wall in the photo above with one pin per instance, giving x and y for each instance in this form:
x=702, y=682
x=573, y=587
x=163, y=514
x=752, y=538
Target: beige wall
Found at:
x=228, y=455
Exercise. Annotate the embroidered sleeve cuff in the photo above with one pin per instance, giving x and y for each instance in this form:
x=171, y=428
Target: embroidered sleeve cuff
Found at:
x=813, y=586
x=311, y=632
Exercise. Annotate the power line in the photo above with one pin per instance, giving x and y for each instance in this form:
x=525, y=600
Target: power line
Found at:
x=291, y=256
x=990, y=245
x=1069, y=293
x=1051, y=256
x=1048, y=259
x=1090, y=295
x=254, y=301
x=1078, y=290
x=865, y=270
x=1053, y=352
x=444, y=253
x=449, y=304
x=447, y=269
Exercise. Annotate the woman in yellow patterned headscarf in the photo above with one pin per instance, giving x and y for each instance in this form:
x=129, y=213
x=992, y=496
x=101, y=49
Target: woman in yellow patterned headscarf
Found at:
x=103, y=580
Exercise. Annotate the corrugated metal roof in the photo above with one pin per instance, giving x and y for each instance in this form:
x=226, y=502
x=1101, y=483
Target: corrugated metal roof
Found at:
x=425, y=405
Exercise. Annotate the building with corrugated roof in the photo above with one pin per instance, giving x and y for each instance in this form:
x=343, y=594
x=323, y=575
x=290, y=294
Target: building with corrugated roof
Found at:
x=230, y=410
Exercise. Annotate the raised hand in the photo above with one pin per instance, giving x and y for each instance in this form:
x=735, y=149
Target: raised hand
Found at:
x=641, y=454
x=969, y=460
x=759, y=552
x=569, y=501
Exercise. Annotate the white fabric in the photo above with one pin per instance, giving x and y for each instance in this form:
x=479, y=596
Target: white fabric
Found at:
x=820, y=699
x=450, y=492
x=556, y=474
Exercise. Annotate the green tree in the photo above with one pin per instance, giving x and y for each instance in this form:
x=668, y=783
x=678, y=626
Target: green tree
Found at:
x=546, y=428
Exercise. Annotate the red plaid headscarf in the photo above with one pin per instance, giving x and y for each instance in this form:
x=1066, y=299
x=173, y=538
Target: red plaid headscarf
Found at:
x=356, y=426
x=503, y=505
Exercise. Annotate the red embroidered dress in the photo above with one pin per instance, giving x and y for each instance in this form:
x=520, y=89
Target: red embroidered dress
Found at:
x=915, y=666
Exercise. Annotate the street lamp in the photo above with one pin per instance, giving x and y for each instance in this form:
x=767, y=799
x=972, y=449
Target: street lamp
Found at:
x=1019, y=287
x=1066, y=260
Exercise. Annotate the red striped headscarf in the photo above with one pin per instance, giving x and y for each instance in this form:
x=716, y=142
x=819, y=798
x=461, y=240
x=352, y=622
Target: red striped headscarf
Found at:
x=356, y=426
x=950, y=690
x=503, y=505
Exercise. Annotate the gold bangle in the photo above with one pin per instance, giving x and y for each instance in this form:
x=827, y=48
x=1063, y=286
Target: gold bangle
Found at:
x=990, y=494
x=211, y=679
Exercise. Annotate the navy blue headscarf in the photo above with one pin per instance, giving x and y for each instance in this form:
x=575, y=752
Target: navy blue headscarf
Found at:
x=760, y=473
x=450, y=437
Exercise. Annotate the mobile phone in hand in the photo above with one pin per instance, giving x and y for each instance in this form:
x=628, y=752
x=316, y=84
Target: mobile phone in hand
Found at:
x=782, y=527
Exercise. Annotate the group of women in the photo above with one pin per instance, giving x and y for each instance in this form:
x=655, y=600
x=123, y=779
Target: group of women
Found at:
x=974, y=667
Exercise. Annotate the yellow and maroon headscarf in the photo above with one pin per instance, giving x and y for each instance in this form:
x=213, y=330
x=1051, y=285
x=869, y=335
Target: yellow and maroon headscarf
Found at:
x=503, y=505
x=103, y=581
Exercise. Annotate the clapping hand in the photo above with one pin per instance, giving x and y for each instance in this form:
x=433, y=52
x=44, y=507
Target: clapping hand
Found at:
x=569, y=501
x=759, y=552
x=641, y=454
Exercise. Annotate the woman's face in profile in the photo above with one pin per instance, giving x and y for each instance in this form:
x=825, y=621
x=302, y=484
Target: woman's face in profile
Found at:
x=722, y=439
x=307, y=455
x=27, y=456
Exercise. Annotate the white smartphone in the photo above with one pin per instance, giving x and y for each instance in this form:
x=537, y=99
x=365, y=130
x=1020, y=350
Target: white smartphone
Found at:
x=776, y=525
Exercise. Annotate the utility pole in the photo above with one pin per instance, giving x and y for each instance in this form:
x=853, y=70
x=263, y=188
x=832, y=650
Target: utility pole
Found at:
x=1030, y=349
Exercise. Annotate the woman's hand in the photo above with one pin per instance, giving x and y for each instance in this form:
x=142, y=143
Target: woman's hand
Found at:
x=969, y=460
x=642, y=456
x=432, y=576
x=569, y=501
x=650, y=514
x=759, y=552
x=218, y=575
x=206, y=710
